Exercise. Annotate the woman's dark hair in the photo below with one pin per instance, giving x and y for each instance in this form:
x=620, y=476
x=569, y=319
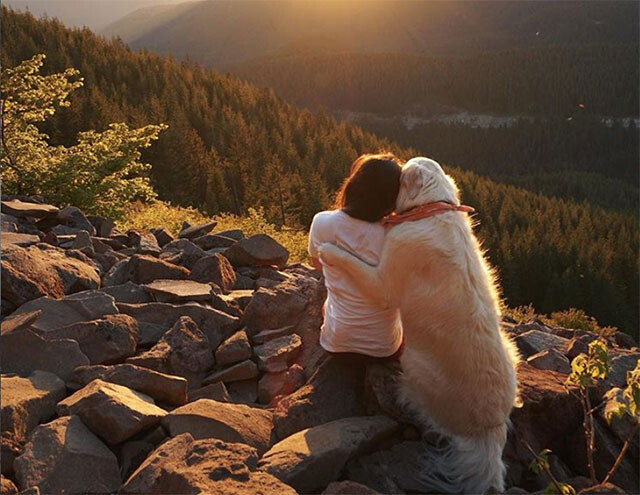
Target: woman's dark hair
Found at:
x=370, y=191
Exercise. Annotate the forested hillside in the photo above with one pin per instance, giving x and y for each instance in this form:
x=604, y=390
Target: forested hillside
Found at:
x=221, y=33
x=230, y=146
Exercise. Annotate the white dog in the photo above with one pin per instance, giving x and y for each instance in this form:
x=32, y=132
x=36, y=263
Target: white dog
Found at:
x=458, y=367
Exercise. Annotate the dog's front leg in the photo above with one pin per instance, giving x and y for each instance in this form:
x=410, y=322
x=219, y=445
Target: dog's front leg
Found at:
x=366, y=277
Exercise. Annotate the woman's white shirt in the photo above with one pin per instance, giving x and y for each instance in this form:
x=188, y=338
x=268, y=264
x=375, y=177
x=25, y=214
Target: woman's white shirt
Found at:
x=352, y=322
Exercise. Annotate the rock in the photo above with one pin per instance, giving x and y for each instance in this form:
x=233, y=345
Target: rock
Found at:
x=216, y=391
x=132, y=454
x=241, y=297
x=550, y=359
x=184, y=351
x=163, y=236
x=19, y=321
x=534, y=341
x=621, y=427
x=11, y=448
x=6, y=308
x=625, y=340
x=144, y=269
x=312, y=458
x=233, y=350
x=58, y=313
x=104, y=226
x=226, y=304
x=206, y=418
x=382, y=382
x=274, y=308
x=257, y=250
x=213, y=241
x=244, y=283
x=575, y=348
x=276, y=355
x=128, y=293
x=272, y=385
x=267, y=335
x=43, y=270
x=182, y=252
x=396, y=470
x=197, y=230
x=7, y=486
x=26, y=402
x=104, y=341
x=244, y=391
x=179, y=291
x=242, y=371
x=18, y=239
x=185, y=465
x=164, y=388
x=113, y=412
x=116, y=274
x=154, y=319
x=621, y=364
x=23, y=352
x=65, y=457
x=19, y=208
x=74, y=218
x=143, y=242
x=214, y=268
x=334, y=391
x=83, y=242
x=348, y=488
x=235, y=234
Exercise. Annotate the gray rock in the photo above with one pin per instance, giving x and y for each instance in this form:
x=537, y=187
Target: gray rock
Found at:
x=267, y=335
x=241, y=297
x=274, y=308
x=18, y=239
x=575, y=348
x=622, y=427
x=235, y=234
x=19, y=321
x=23, y=352
x=19, y=208
x=116, y=274
x=215, y=269
x=113, y=412
x=132, y=454
x=206, y=418
x=241, y=371
x=277, y=354
x=164, y=388
x=273, y=385
x=550, y=359
x=311, y=459
x=197, y=230
x=43, y=270
x=144, y=269
x=154, y=319
x=179, y=291
x=216, y=391
x=257, y=250
x=233, y=350
x=104, y=226
x=26, y=402
x=182, y=252
x=185, y=465
x=74, y=217
x=104, y=341
x=143, y=242
x=534, y=341
x=58, y=313
x=244, y=391
x=65, y=457
x=621, y=364
x=213, y=241
x=128, y=293
x=84, y=243
x=163, y=236
x=183, y=351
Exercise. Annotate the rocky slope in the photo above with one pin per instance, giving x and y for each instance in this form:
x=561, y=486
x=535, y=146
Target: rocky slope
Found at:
x=139, y=363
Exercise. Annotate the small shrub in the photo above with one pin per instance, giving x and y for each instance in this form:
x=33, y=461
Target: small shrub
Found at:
x=147, y=216
x=578, y=319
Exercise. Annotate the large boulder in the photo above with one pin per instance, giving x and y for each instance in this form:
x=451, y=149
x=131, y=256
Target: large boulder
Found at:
x=43, y=270
x=18, y=208
x=107, y=340
x=185, y=465
x=257, y=250
x=128, y=293
x=143, y=242
x=27, y=402
x=245, y=370
x=164, y=388
x=180, y=291
x=144, y=269
x=112, y=411
x=216, y=391
x=73, y=217
x=18, y=239
x=213, y=241
x=207, y=418
x=154, y=319
x=215, y=269
x=310, y=459
x=233, y=350
x=273, y=385
x=23, y=351
x=182, y=252
x=183, y=351
x=334, y=391
x=65, y=457
x=534, y=341
x=277, y=354
x=79, y=307
x=274, y=308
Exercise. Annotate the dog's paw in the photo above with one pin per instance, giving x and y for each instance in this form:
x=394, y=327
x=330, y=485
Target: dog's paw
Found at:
x=328, y=253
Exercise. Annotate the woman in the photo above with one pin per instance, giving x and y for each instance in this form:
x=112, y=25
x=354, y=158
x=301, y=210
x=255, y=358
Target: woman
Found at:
x=352, y=322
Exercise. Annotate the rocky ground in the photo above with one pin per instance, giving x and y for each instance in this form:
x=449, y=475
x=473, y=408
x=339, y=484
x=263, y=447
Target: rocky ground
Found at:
x=138, y=363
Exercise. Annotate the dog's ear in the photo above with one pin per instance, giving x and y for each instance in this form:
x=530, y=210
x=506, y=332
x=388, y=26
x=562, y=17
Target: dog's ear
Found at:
x=413, y=179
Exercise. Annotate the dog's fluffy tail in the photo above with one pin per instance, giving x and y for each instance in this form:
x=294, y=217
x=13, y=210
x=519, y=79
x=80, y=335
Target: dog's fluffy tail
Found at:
x=466, y=465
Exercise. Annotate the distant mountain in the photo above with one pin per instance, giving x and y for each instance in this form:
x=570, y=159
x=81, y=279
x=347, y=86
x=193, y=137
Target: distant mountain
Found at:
x=221, y=33
x=94, y=14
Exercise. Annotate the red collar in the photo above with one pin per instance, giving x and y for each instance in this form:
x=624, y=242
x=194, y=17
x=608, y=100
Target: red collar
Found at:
x=424, y=211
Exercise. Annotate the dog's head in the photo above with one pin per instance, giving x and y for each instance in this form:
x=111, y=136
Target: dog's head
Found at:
x=423, y=181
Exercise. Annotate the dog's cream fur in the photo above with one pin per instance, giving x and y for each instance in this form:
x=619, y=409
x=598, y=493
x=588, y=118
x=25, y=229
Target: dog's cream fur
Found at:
x=458, y=367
